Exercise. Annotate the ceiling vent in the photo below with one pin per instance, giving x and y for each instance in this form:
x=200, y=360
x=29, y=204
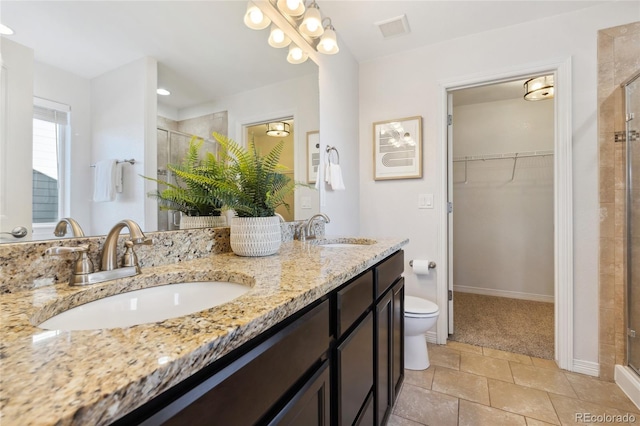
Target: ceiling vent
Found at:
x=394, y=27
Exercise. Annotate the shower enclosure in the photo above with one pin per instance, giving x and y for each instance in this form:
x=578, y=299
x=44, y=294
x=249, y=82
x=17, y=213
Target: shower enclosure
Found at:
x=172, y=148
x=632, y=115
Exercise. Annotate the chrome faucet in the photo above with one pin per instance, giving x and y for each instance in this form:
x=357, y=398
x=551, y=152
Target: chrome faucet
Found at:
x=110, y=249
x=306, y=231
x=61, y=228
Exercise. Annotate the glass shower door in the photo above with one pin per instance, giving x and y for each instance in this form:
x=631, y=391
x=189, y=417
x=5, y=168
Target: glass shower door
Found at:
x=632, y=101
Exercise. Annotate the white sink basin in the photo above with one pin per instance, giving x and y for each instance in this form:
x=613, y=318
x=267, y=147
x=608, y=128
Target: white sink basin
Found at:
x=145, y=306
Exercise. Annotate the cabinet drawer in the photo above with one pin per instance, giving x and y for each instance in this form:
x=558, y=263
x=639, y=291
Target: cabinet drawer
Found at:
x=353, y=301
x=388, y=272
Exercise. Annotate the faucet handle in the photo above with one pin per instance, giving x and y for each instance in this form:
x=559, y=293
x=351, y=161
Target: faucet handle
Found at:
x=144, y=242
x=83, y=248
x=83, y=265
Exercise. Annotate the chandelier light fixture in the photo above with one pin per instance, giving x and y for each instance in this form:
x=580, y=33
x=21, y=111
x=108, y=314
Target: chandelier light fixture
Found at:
x=538, y=88
x=278, y=129
x=305, y=19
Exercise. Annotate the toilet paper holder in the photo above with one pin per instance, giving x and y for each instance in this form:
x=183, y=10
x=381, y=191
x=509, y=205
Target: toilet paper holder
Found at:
x=432, y=264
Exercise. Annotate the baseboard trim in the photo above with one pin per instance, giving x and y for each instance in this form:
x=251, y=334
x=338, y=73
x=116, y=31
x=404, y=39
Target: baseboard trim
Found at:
x=586, y=367
x=431, y=337
x=629, y=382
x=504, y=293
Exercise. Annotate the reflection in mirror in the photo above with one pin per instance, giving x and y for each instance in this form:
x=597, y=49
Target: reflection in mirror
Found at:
x=104, y=60
x=279, y=130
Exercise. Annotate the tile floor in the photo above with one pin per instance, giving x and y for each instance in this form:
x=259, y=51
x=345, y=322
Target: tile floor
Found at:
x=474, y=386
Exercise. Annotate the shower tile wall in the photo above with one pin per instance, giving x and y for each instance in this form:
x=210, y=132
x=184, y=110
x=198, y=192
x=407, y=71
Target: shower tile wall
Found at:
x=618, y=59
x=202, y=126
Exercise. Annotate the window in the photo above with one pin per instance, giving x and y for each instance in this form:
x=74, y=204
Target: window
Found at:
x=50, y=131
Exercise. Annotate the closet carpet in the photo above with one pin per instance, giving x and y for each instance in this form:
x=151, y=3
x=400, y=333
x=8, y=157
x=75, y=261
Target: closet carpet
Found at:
x=512, y=325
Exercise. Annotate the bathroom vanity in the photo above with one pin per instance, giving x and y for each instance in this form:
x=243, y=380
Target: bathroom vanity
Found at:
x=317, y=340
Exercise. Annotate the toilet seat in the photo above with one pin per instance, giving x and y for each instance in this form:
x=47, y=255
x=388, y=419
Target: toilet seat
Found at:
x=416, y=307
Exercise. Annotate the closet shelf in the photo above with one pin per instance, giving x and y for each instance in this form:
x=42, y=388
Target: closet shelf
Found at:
x=515, y=156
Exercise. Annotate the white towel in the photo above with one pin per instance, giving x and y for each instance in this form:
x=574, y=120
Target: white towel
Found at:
x=104, y=188
x=337, y=184
x=118, y=178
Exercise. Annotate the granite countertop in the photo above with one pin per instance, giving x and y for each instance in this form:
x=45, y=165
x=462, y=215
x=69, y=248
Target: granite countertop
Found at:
x=97, y=376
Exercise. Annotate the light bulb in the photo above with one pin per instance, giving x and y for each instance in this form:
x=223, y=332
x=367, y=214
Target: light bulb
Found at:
x=278, y=36
x=293, y=4
x=256, y=16
x=296, y=55
x=313, y=25
x=312, y=22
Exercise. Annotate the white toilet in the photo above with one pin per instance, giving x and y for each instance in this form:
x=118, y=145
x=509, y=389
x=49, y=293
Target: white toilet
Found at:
x=419, y=316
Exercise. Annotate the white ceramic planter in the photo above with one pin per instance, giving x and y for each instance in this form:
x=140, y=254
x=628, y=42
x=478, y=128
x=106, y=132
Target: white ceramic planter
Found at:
x=255, y=236
x=188, y=222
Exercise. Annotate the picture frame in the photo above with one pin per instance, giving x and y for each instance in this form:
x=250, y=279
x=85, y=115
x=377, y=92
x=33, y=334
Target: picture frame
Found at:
x=397, y=149
x=313, y=155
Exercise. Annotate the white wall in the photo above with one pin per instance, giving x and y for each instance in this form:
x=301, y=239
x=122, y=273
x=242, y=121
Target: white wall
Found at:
x=339, y=128
x=16, y=135
x=63, y=87
x=415, y=76
x=122, y=102
x=503, y=228
x=298, y=98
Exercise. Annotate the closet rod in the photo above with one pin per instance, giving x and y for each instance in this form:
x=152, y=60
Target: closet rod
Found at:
x=503, y=156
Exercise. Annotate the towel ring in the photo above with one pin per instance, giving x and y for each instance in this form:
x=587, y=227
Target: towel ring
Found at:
x=333, y=149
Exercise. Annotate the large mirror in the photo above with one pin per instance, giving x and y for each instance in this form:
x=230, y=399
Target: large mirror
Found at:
x=87, y=74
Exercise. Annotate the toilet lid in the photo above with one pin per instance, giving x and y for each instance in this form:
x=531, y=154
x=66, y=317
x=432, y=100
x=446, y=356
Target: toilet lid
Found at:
x=417, y=305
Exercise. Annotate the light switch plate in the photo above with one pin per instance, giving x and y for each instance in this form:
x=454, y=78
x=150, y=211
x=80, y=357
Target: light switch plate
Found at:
x=425, y=201
x=306, y=202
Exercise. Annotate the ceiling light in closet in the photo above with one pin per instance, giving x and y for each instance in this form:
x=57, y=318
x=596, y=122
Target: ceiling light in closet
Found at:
x=538, y=88
x=278, y=128
x=163, y=92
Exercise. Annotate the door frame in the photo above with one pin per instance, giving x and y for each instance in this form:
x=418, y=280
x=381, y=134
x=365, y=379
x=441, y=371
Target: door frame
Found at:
x=563, y=196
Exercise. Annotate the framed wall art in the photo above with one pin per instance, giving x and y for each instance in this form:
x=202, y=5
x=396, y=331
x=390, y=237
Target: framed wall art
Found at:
x=313, y=155
x=397, y=149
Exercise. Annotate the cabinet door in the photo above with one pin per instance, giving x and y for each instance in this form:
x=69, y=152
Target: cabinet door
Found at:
x=398, y=338
x=354, y=362
x=384, y=353
x=310, y=406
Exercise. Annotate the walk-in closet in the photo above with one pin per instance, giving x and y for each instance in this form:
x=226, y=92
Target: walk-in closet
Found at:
x=503, y=219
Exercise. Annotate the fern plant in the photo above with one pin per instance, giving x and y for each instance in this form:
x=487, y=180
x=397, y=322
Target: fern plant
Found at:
x=257, y=184
x=190, y=195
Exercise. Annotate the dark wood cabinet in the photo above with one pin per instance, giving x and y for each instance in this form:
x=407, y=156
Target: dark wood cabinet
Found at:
x=311, y=405
x=397, y=341
x=338, y=361
x=389, y=336
x=354, y=365
x=384, y=354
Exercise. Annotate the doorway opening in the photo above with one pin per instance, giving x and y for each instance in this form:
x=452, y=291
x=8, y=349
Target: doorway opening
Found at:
x=502, y=220
x=267, y=134
x=562, y=200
